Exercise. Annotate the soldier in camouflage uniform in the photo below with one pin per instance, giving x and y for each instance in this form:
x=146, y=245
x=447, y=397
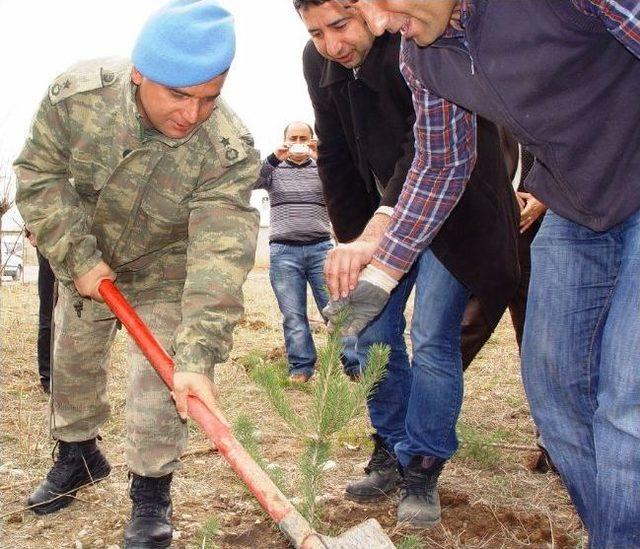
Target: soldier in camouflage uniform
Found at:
x=139, y=174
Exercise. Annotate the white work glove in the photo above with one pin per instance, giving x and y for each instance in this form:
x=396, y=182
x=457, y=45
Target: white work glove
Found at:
x=352, y=313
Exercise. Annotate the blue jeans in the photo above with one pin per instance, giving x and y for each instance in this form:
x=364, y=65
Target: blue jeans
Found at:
x=388, y=404
x=415, y=408
x=291, y=267
x=436, y=388
x=581, y=369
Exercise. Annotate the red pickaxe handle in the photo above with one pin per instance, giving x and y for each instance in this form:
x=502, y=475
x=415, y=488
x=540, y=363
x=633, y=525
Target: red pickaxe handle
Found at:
x=272, y=500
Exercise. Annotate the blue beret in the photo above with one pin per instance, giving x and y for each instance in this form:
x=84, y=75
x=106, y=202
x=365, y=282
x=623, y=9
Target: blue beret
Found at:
x=185, y=43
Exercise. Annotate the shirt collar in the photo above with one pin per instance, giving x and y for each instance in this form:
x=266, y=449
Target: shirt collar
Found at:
x=465, y=12
x=129, y=107
x=466, y=7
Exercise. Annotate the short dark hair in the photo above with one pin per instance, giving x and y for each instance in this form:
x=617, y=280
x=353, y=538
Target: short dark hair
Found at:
x=307, y=125
x=303, y=4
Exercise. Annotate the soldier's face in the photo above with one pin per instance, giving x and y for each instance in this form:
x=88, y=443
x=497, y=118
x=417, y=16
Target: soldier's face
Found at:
x=176, y=112
x=338, y=32
x=422, y=21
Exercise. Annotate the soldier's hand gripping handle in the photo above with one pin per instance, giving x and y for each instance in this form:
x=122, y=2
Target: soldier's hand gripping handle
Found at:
x=187, y=384
x=87, y=284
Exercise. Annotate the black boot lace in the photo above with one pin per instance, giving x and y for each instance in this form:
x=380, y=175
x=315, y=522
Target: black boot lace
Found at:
x=65, y=464
x=381, y=458
x=150, y=496
x=420, y=481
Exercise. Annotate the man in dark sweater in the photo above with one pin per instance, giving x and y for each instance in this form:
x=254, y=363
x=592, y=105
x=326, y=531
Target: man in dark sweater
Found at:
x=564, y=77
x=364, y=121
x=299, y=239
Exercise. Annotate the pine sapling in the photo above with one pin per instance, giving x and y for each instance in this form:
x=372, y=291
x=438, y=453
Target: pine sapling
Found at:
x=335, y=401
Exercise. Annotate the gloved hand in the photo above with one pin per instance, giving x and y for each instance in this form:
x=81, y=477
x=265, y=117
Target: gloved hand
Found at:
x=352, y=313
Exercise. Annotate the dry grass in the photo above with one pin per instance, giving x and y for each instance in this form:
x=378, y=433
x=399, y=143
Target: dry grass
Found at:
x=489, y=498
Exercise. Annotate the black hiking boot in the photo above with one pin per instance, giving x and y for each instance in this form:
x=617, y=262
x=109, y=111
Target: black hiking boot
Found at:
x=381, y=476
x=420, y=504
x=78, y=464
x=150, y=524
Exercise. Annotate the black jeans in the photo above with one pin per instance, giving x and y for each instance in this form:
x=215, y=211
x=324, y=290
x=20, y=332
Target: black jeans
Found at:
x=46, y=284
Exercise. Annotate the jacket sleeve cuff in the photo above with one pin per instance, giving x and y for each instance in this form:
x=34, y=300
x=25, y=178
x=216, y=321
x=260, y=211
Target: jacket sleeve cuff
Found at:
x=194, y=359
x=385, y=210
x=83, y=257
x=273, y=160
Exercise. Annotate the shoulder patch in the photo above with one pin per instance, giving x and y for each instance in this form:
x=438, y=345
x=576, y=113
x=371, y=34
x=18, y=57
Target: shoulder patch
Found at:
x=229, y=136
x=83, y=77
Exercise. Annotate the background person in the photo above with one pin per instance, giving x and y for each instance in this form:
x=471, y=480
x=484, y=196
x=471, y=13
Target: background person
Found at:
x=46, y=302
x=531, y=215
x=299, y=239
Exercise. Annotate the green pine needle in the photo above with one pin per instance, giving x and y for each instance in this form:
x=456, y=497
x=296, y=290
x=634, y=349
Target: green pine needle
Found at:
x=335, y=401
x=271, y=380
x=244, y=430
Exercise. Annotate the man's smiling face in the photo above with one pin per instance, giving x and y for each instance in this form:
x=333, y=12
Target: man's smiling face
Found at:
x=422, y=21
x=338, y=32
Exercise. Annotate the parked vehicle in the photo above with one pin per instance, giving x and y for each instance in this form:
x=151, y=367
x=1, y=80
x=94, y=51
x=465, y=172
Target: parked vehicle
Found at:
x=13, y=266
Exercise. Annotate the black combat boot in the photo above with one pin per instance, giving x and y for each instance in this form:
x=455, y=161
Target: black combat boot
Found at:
x=420, y=503
x=78, y=464
x=150, y=524
x=381, y=476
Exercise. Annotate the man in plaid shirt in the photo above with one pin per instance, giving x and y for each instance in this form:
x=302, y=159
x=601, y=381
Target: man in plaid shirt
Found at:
x=564, y=77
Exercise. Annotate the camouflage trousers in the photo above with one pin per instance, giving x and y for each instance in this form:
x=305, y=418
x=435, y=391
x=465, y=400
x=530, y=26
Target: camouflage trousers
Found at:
x=156, y=437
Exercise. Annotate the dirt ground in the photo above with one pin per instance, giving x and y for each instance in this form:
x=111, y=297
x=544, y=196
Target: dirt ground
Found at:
x=490, y=499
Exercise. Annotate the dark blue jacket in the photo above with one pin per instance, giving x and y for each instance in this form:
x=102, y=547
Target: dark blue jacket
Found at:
x=566, y=88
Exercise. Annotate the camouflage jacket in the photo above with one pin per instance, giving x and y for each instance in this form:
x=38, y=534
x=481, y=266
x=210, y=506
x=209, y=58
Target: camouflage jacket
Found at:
x=170, y=217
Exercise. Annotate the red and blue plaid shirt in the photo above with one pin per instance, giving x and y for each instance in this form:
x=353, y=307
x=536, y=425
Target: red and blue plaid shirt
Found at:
x=445, y=143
